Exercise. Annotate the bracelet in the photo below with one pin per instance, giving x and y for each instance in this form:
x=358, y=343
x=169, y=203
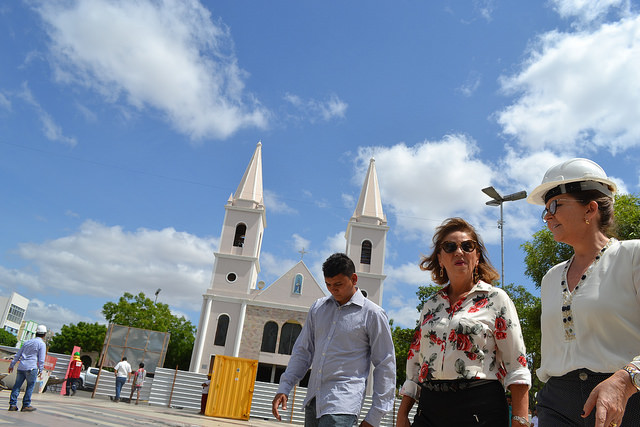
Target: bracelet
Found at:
x=521, y=420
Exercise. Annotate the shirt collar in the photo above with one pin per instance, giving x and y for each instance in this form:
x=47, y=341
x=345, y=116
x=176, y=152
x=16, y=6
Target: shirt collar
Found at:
x=357, y=298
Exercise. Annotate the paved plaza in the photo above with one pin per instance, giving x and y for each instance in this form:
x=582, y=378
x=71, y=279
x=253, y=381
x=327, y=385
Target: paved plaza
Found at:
x=54, y=410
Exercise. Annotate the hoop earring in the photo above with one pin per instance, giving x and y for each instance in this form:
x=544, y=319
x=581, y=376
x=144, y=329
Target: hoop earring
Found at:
x=441, y=272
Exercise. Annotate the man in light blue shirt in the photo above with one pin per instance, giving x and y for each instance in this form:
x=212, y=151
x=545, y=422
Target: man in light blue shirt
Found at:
x=343, y=335
x=31, y=357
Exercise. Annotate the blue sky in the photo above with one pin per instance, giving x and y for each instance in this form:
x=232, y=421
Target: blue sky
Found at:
x=126, y=125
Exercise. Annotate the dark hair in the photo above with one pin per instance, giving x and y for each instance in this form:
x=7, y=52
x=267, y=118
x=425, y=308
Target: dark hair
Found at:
x=124, y=358
x=141, y=365
x=486, y=272
x=338, y=263
x=40, y=334
x=606, y=221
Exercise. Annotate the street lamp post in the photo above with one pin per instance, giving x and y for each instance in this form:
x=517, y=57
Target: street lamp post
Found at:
x=499, y=200
x=157, y=292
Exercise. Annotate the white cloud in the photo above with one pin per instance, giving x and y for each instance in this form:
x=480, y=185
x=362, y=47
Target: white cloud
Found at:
x=422, y=189
x=53, y=316
x=274, y=204
x=300, y=242
x=472, y=83
x=403, y=312
x=108, y=261
x=4, y=102
x=331, y=108
x=587, y=10
x=577, y=91
x=166, y=54
x=50, y=128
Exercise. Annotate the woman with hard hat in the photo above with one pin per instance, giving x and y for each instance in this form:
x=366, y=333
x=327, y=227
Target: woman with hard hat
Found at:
x=590, y=305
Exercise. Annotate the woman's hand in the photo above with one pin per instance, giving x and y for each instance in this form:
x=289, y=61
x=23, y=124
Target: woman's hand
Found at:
x=402, y=420
x=610, y=398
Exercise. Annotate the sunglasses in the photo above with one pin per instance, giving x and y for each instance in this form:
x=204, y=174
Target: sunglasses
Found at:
x=467, y=246
x=553, y=207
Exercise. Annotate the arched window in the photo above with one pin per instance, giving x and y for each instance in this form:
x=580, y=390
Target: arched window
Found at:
x=365, y=252
x=269, y=337
x=297, y=284
x=288, y=337
x=221, y=330
x=241, y=231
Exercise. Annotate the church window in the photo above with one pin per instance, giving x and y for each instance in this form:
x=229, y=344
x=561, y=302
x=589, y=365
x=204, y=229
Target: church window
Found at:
x=297, y=284
x=365, y=252
x=241, y=231
x=221, y=330
x=364, y=292
x=269, y=337
x=231, y=277
x=288, y=337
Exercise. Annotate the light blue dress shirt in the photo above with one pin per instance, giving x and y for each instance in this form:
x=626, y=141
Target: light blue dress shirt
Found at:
x=31, y=355
x=341, y=342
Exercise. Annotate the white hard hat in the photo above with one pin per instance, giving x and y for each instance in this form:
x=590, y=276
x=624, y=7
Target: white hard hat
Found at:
x=41, y=329
x=584, y=173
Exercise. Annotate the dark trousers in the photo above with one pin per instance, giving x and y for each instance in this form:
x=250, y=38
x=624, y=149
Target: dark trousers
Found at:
x=561, y=400
x=484, y=405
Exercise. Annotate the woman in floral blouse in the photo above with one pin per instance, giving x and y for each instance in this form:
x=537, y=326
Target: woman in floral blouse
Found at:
x=468, y=347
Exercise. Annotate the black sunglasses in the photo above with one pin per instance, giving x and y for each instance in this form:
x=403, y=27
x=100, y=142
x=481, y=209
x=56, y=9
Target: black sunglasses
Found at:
x=467, y=246
x=553, y=207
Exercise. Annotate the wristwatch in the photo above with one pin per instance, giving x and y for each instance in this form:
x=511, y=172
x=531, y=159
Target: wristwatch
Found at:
x=521, y=420
x=634, y=373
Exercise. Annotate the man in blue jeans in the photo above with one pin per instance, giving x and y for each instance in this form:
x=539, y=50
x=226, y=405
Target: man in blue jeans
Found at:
x=31, y=357
x=122, y=370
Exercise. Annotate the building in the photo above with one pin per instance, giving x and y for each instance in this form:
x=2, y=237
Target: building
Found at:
x=12, y=310
x=26, y=332
x=242, y=318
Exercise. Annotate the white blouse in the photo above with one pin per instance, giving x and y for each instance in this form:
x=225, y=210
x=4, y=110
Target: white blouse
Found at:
x=478, y=338
x=597, y=326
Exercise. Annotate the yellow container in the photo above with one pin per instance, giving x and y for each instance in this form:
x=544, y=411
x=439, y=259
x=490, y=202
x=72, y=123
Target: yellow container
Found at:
x=231, y=389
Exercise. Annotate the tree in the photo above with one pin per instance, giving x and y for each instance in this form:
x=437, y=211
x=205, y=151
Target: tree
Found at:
x=141, y=312
x=87, y=336
x=7, y=338
x=402, y=338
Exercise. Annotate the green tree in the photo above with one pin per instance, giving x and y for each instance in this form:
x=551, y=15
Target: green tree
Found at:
x=141, y=312
x=7, y=338
x=402, y=338
x=87, y=336
x=424, y=293
x=627, y=208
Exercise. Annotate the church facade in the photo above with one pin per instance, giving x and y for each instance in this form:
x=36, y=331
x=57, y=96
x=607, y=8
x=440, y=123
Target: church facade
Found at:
x=241, y=316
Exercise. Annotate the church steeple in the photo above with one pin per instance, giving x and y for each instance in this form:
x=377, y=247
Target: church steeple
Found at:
x=369, y=207
x=249, y=192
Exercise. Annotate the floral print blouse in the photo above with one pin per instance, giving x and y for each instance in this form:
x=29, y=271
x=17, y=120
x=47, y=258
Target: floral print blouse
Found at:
x=478, y=338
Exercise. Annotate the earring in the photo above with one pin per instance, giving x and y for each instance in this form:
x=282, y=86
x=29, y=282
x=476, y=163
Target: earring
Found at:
x=475, y=275
x=586, y=221
x=441, y=272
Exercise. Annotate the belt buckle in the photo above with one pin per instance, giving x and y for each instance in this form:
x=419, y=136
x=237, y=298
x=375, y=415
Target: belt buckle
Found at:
x=583, y=376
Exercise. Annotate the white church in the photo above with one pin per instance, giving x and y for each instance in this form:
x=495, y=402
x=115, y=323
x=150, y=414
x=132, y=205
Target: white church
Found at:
x=242, y=317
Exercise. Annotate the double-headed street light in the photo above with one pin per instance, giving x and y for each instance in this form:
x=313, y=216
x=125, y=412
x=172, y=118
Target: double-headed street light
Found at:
x=498, y=200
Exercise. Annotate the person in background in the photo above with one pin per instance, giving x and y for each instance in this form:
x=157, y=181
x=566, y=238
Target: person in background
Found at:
x=73, y=379
x=31, y=358
x=469, y=345
x=343, y=335
x=122, y=371
x=205, y=394
x=138, y=382
x=590, y=305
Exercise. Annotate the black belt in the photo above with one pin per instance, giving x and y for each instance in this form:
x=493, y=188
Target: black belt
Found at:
x=453, y=385
x=585, y=375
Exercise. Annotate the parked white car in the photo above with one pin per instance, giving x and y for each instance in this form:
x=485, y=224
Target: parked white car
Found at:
x=88, y=377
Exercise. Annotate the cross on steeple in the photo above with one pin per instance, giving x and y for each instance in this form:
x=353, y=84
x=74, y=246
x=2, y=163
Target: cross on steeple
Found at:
x=302, y=252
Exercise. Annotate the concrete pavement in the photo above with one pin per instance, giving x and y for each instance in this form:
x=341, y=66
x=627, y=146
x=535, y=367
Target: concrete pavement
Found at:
x=54, y=410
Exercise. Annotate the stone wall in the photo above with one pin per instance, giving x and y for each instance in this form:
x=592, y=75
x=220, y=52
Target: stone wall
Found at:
x=256, y=318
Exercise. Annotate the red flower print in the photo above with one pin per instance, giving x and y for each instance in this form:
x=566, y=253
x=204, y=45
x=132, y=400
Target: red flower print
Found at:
x=433, y=338
x=471, y=356
x=464, y=344
x=424, y=371
x=522, y=360
x=501, y=324
x=410, y=354
x=478, y=305
x=501, y=335
x=452, y=335
x=415, y=344
x=427, y=318
x=501, y=372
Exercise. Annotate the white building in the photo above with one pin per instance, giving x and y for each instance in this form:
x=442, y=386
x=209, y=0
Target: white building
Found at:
x=12, y=310
x=242, y=318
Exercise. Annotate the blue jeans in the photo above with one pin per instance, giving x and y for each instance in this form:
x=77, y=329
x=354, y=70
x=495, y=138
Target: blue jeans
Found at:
x=327, y=420
x=119, y=383
x=21, y=376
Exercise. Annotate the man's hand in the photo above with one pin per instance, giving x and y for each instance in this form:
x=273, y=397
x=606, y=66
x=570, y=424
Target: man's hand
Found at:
x=10, y=369
x=609, y=399
x=280, y=399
